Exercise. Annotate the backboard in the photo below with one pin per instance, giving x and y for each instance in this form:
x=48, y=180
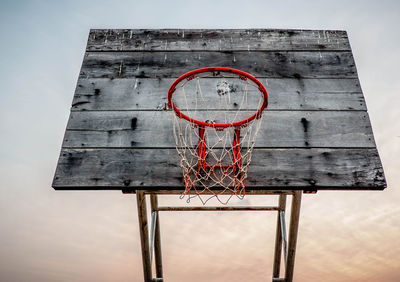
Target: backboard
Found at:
x=316, y=133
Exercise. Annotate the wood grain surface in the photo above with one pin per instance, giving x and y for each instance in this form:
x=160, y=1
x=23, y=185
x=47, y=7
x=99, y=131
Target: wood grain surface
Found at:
x=316, y=133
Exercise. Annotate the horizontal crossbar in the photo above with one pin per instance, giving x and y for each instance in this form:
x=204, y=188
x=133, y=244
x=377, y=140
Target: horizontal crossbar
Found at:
x=243, y=208
x=179, y=191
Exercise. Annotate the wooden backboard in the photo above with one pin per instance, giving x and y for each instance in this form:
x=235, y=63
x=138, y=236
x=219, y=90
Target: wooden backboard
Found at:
x=316, y=132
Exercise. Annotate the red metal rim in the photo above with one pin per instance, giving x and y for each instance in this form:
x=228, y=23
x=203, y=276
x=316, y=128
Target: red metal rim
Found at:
x=242, y=75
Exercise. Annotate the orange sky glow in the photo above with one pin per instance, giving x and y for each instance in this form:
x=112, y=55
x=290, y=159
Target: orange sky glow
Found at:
x=49, y=235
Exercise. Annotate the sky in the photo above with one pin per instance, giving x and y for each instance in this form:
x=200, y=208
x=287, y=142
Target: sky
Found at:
x=93, y=236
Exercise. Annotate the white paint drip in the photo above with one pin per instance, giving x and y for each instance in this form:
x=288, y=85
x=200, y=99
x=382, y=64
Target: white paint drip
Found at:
x=120, y=68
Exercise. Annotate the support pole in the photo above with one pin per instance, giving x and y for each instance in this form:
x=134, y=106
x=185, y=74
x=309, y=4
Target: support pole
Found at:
x=157, y=236
x=280, y=232
x=152, y=234
x=294, y=226
x=144, y=234
x=284, y=237
x=278, y=238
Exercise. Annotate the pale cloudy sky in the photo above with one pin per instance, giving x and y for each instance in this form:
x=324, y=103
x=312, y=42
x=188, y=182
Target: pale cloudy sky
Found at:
x=93, y=236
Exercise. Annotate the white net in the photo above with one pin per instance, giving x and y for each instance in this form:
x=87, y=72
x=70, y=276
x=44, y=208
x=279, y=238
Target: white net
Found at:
x=215, y=160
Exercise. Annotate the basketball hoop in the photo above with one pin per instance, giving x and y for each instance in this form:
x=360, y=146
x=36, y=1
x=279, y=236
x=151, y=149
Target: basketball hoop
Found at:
x=217, y=115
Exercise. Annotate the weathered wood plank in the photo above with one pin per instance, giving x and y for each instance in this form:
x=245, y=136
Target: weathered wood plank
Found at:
x=260, y=64
x=317, y=131
x=215, y=40
x=284, y=94
x=279, y=129
x=270, y=169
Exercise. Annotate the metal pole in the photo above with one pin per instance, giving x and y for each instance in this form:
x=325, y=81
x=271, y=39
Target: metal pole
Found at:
x=278, y=238
x=157, y=237
x=284, y=237
x=294, y=226
x=144, y=234
x=152, y=234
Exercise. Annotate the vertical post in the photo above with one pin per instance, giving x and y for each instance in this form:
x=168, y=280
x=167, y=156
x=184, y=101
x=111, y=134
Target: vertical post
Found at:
x=278, y=237
x=294, y=226
x=157, y=236
x=144, y=234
